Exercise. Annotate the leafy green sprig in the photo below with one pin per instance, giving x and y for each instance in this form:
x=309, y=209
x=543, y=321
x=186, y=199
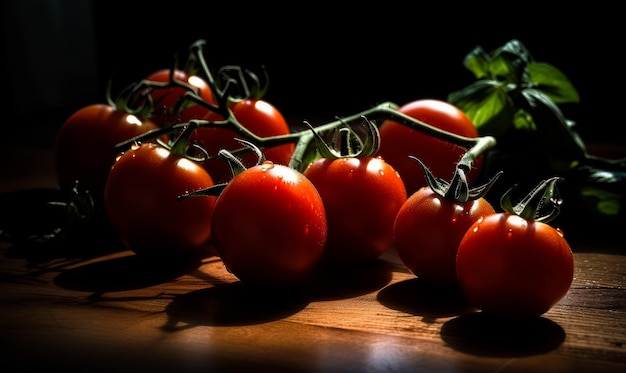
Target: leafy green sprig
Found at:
x=515, y=99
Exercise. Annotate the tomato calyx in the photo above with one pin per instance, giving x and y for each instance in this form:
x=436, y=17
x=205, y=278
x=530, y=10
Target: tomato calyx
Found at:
x=126, y=101
x=181, y=146
x=81, y=206
x=343, y=147
x=238, y=84
x=541, y=204
x=248, y=83
x=236, y=167
x=457, y=189
x=140, y=95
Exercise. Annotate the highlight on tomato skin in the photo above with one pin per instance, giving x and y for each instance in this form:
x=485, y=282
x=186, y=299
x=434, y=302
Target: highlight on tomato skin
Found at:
x=514, y=267
x=259, y=117
x=362, y=196
x=164, y=100
x=398, y=142
x=269, y=226
x=141, y=203
x=84, y=148
x=427, y=232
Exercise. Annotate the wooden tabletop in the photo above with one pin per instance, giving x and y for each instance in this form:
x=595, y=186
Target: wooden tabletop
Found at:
x=99, y=308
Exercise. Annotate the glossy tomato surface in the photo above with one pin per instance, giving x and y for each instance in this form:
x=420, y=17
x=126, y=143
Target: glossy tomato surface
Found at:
x=259, y=117
x=428, y=230
x=398, y=142
x=512, y=267
x=84, y=148
x=165, y=99
x=141, y=203
x=362, y=196
x=269, y=226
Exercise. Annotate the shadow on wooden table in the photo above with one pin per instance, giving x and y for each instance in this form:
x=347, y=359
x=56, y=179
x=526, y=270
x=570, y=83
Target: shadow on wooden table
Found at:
x=468, y=330
x=482, y=335
x=122, y=273
x=415, y=297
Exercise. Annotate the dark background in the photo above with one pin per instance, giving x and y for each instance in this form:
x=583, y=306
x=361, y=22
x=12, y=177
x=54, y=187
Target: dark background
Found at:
x=322, y=61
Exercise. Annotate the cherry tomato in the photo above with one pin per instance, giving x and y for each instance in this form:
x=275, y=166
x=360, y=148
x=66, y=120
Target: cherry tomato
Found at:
x=397, y=142
x=259, y=117
x=141, y=203
x=514, y=267
x=165, y=99
x=427, y=232
x=84, y=148
x=362, y=196
x=269, y=226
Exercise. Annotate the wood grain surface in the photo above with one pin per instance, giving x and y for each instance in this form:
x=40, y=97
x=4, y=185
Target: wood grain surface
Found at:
x=95, y=308
x=116, y=312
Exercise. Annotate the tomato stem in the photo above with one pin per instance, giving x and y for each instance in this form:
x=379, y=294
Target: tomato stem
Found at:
x=197, y=51
x=381, y=112
x=481, y=145
x=181, y=144
x=302, y=139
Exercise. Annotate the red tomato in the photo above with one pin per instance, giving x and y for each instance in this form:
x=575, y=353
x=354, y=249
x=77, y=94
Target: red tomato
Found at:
x=84, y=147
x=513, y=267
x=259, y=117
x=164, y=99
x=428, y=230
x=397, y=142
x=362, y=196
x=141, y=203
x=269, y=226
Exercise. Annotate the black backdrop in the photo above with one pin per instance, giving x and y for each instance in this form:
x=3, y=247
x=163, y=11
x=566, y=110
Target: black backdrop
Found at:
x=323, y=62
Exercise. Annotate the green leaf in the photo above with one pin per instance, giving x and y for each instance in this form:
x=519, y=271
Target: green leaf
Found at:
x=471, y=99
x=503, y=70
x=553, y=83
x=477, y=61
x=507, y=63
x=603, y=191
x=515, y=51
x=523, y=121
x=510, y=62
x=607, y=203
x=485, y=102
x=554, y=129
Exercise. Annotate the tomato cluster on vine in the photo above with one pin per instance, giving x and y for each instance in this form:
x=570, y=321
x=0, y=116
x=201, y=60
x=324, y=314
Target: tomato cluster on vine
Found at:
x=275, y=205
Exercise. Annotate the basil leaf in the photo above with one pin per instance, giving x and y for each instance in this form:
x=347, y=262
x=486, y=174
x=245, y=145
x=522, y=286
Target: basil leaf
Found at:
x=551, y=81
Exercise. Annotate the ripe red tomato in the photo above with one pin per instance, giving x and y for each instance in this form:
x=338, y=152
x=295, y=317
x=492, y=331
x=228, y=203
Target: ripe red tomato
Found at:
x=84, y=148
x=513, y=267
x=141, y=202
x=362, y=196
x=427, y=232
x=397, y=142
x=164, y=99
x=259, y=117
x=269, y=226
